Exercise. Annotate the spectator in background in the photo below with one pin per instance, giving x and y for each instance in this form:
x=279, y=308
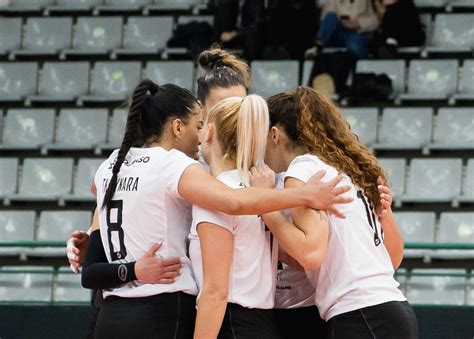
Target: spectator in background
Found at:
x=391, y=34
x=238, y=24
x=346, y=23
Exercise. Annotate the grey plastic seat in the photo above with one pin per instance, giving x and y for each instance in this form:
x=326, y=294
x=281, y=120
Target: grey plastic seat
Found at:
x=113, y=81
x=17, y=226
x=468, y=183
x=17, y=80
x=456, y=227
x=46, y=36
x=116, y=129
x=62, y=81
x=123, y=5
x=28, y=5
x=454, y=129
x=363, y=122
x=394, y=69
x=58, y=225
x=396, y=171
x=185, y=19
x=74, y=5
x=431, y=80
x=28, y=128
x=433, y=180
x=146, y=35
x=174, y=4
x=417, y=226
x=83, y=179
x=452, y=33
x=462, y=4
x=10, y=34
x=307, y=65
x=80, y=128
x=8, y=173
x=96, y=35
x=45, y=179
x=68, y=288
x=26, y=284
x=437, y=287
x=171, y=72
x=405, y=128
x=430, y=3
x=466, y=83
x=272, y=77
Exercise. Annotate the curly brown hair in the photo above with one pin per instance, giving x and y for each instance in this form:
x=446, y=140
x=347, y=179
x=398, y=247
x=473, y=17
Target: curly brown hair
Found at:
x=315, y=123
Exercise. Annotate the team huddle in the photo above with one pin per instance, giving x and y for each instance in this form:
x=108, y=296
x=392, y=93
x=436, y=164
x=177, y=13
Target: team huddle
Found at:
x=194, y=236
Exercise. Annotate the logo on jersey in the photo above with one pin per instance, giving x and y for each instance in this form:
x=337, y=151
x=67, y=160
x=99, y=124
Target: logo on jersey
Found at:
x=141, y=160
x=122, y=272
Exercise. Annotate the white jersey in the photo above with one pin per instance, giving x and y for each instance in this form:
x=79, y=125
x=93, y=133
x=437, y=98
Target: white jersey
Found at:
x=357, y=271
x=146, y=209
x=253, y=270
x=293, y=289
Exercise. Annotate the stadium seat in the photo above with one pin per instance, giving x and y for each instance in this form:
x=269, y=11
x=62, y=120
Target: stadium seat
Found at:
x=468, y=183
x=8, y=173
x=62, y=82
x=185, y=19
x=430, y=3
x=44, y=179
x=113, y=81
x=466, y=83
x=396, y=171
x=437, y=287
x=401, y=277
x=405, y=128
x=123, y=5
x=180, y=73
x=461, y=4
x=46, y=36
x=74, y=5
x=431, y=80
x=456, y=227
x=146, y=35
x=433, y=180
x=28, y=128
x=452, y=33
x=18, y=80
x=58, y=225
x=80, y=129
x=307, y=65
x=116, y=130
x=394, y=69
x=418, y=227
x=272, y=77
x=68, y=288
x=96, y=35
x=17, y=225
x=10, y=34
x=26, y=284
x=454, y=129
x=175, y=4
x=363, y=122
x=27, y=5
x=83, y=179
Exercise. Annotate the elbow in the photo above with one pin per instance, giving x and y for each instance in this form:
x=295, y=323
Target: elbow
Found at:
x=233, y=207
x=312, y=260
x=216, y=293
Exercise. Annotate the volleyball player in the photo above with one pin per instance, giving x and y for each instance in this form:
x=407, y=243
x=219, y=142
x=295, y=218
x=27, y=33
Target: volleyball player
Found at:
x=355, y=289
x=144, y=195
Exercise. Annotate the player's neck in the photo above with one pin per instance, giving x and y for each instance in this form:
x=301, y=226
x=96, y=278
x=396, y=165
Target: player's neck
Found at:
x=220, y=163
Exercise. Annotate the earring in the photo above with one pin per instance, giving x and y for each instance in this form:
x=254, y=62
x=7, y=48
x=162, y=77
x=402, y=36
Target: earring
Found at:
x=178, y=139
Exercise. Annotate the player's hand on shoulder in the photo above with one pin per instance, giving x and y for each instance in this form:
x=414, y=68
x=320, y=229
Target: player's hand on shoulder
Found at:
x=262, y=176
x=76, y=248
x=385, y=199
x=151, y=270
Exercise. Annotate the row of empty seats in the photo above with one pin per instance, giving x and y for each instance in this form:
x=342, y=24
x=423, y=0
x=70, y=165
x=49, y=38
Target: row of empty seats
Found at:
x=430, y=180
x=88, y=36
x=413, y=127
x=92, y=128
x=437, y=286
x=111, y=81
x=33, y=284
x=50, y=179
x=98, y=5
x=49, y=226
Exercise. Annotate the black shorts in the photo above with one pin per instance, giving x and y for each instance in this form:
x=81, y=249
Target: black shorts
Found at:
x=301, y=323
x=391, y=320
x=242, y=323
x=167, y=315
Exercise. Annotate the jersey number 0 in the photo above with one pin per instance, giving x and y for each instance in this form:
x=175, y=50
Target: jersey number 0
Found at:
x=115, y=231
